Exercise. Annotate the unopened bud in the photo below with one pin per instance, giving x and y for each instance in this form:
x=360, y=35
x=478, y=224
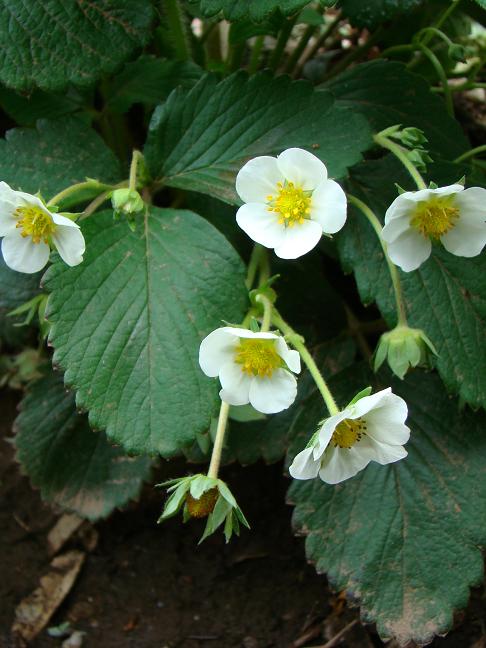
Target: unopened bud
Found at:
x=202, y=507
x=127, y=201
x=403, y=348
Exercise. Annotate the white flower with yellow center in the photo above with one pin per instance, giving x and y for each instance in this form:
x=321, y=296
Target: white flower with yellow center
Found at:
x=371, y=429
x=29, y=230
x=252, y=367
x=289, y=202
x=452, y=215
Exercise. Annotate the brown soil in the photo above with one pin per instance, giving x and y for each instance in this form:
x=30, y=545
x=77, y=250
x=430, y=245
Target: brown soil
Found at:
x=148, y=586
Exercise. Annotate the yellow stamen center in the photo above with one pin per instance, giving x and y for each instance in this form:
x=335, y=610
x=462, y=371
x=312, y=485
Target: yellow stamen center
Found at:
x=258, y=357
x=34, y=223
x=292, y=203
x=348, y=432
x=435, y=216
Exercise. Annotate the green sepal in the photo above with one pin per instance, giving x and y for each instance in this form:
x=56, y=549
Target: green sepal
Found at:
x=364, y=392
x=404, y=348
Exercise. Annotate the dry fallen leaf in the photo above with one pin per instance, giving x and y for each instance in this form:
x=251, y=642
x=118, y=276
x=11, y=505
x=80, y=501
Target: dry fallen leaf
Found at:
x=33, y=612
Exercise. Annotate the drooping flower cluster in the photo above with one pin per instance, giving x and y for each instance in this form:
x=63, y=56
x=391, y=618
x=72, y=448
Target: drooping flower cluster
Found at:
x=254, y=368
x=452, y=215
x=370, y=429
x=289, y=202
x=29, y=231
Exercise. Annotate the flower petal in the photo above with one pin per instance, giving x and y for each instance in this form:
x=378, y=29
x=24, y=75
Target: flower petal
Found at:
x=257, y=179
x=304, y=466
x=382, y=453
x=216, y=349
x=396, y=227
x=326, y=432
x=260, y=224
x=302, y=168
x=299, y=240
x=466, y=239
x=273, y=394
x=70, y=244
x=367, y=403
x=8, y=221
x=340, y=464
x=246, y=333
x=59, y=219
x=409, y=250
x=235, y=383
x=23, y=255
x=328, y=206
x=401, y=207
x=290, y=357
x=472, y=204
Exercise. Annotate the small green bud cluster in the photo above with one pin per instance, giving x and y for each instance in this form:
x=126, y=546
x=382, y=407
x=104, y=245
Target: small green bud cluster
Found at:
x=200, y=496
x=413, y=139
x=404, y=348
x=127, y=203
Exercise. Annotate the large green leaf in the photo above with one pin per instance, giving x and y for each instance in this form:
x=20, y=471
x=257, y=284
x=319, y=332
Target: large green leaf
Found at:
x=200, y=138
x=254, y=9
x=49, y=43
x=386, y=93
x=373, y=12
x=25, y=110
x=446, y=296
x=73, y=466
x=404, y=540
x=54, y=155
x=149, y=80
x=128, y=321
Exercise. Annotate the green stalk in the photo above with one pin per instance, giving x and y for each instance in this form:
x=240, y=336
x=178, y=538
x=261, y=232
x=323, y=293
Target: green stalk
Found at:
x=398, y=152
x=283, y=37
x=355, y=54
x=254, y=264
x=328, y=30
x=256, y=51
x=177, y=29
x=79, y=186
x=297, y=341
x=428, y=53
x=267, y=312
x=299, y=50
x=213, y=469
x=235, y=56
x=395, y=277
x=471, y=153
x=132, y=182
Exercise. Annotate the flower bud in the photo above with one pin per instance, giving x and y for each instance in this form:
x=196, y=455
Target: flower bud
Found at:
x=127, y=201
x=403, y=348
x=457, y=53
x=202, y=507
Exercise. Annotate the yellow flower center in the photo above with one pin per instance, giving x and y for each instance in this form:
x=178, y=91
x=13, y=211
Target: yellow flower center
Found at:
x=35, y=223
x=292, y=203
x=348, y=432
x=435, y=217
x=258, y=357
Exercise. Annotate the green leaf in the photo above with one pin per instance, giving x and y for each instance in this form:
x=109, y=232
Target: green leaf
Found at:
x=404, y=539
x=27, y=109
x=128, y=321
x=149, y=80
x=16, y=289
x=73, y=466
x=254, y=9
x=56, y=154
x=445, y=297
x=386, y=93
x=48, y=44
x=200, y=138
x=373, y=12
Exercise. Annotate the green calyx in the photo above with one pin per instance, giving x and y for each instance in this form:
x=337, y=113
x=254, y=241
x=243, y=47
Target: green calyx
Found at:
x=127, y=201
x=404, y=348
x=202, y=496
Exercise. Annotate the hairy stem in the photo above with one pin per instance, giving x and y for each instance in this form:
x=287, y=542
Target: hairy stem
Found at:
x=79, y=186
x=395, y=277
x=281, y=43
x=471, y=153
x=177, y=29
x=398, y=152
x=437, y=65
x=256, y=51
x=218, y=441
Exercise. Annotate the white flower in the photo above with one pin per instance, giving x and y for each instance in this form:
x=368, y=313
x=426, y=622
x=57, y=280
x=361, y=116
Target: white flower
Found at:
x=290, y=202
x=455, y=216
x=372, y=429
x=252, y=368
x=29, y=229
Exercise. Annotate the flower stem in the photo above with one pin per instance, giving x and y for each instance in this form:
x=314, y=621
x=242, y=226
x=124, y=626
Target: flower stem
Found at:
x=471, y=153
x=218, y=441
x=398, y=152
x=437, y=65
x=267, y=312
x=132, y=182
x=281, y=43
x=299, y=50
x=79, y=186
x=177, y=29
x=328, y=30
x=99, y=200
x=395, y=277
x=256, y=51
x=297, y=341
x=253, y=265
